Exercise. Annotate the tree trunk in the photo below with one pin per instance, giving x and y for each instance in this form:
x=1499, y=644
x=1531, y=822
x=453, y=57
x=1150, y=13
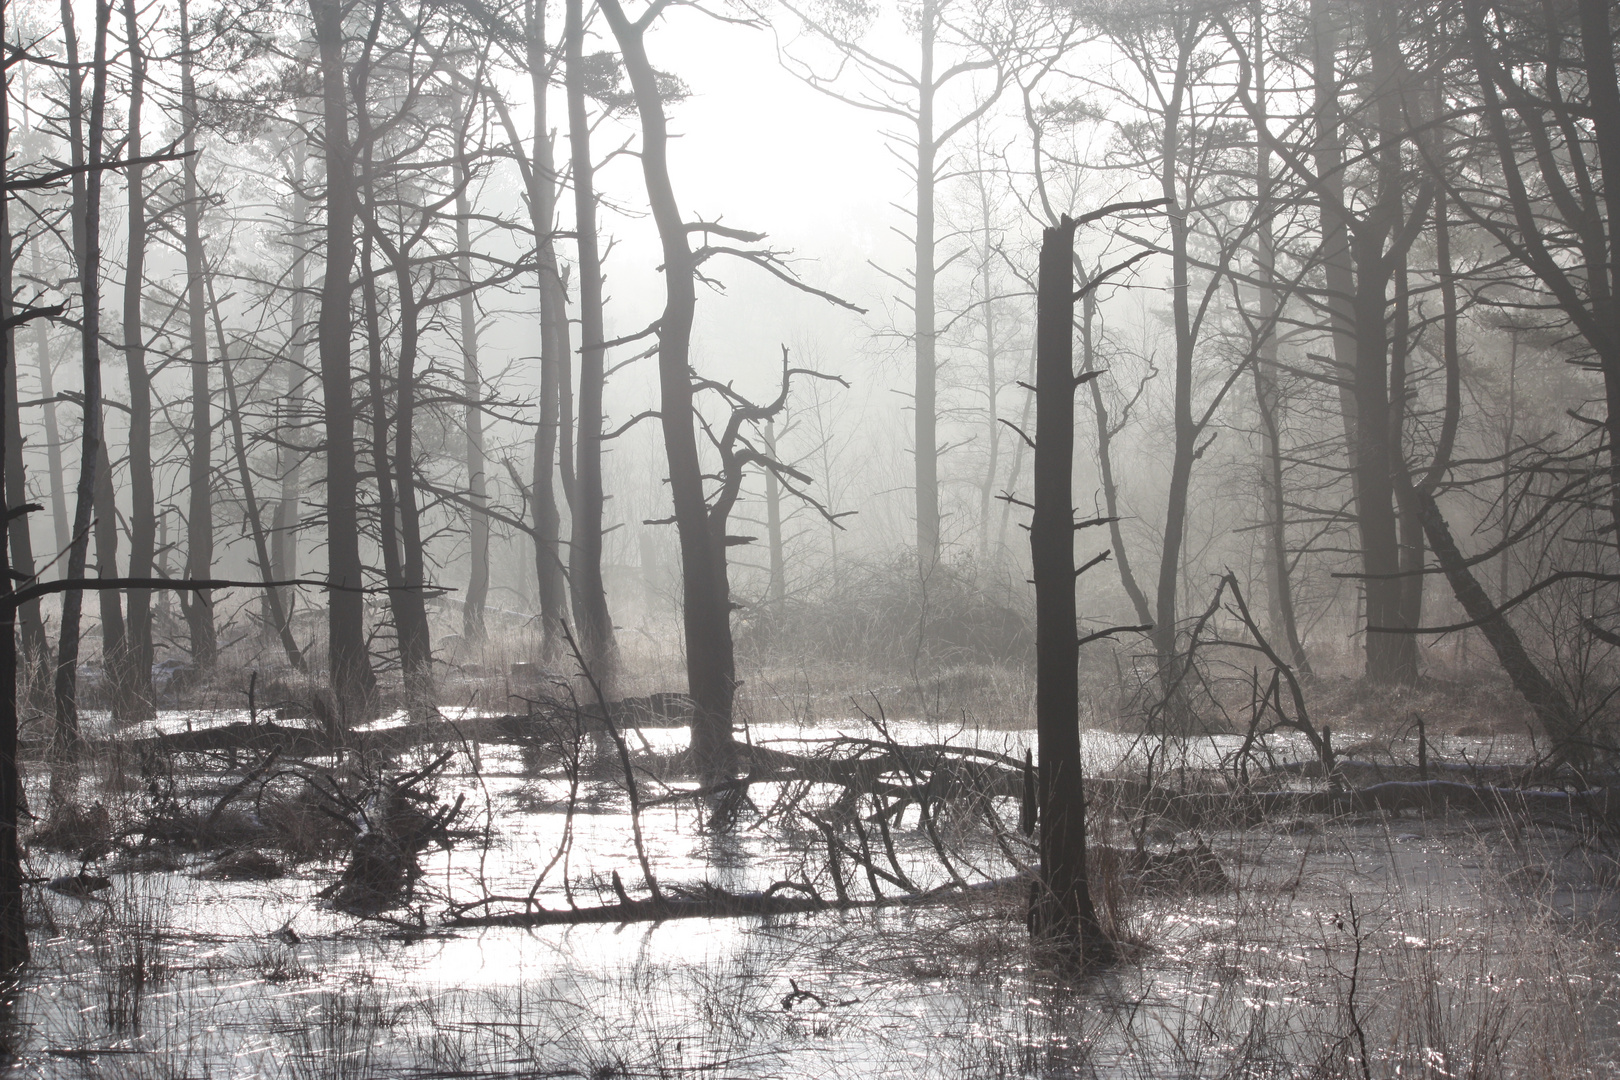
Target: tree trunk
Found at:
x=925, y=399
x=476, y=597
x=1338, y=275
x=1391, y=658
x=53, y=433
x=415, y=644
x=1016, y=470
x=710, y=664
x=200, y=507
x=589, y=593
x=992, y=377
x=352, y=678
x=1105, y=463
x=1571, y=740
x=388, y=533
x=1185, y=433
x=279, y=622
x=1409, y=521
x=142, y=497
x=114, y=648
x=1603, y=85
x=290, y=458
x=87, y=153
x=35, y=645
x=13, y=921
x=1062, y=913
x=554, y=345
x=776, y=592
x=1268, y=394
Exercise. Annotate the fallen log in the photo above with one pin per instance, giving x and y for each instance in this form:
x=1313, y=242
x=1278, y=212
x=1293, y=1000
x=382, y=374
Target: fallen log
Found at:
x=718, y=904
x=1442, y=795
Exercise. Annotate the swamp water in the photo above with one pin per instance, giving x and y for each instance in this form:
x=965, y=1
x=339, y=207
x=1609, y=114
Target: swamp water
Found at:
x=1396, y=946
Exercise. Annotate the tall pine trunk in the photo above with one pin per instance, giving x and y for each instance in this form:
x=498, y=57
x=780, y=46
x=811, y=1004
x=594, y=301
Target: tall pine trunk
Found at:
x=35, y=645
x=290, y=457
x=1185, y=431
x=200, y=506
x=352, y=679
x=925, y=393
x=1268, y=393
x=13, y=920
x=66, y=742
x=53, y=431
x=476, y=597
x=142, y=498
x=554, y=345
x=589, y=593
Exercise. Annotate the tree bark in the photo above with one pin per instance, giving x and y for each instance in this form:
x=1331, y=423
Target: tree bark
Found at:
x=1062, y=913
x=1268, y=393
x=352, y=678
x=53, y=433
x=1571, y=739
x=35, y=645
x=142, y=497
x=591, y=614
x=415, y=643
x=550, y=435
x=1185, y=431
x=13, y=920
x=1339, y=277
x=1391, y=658
x=114, y=646
x=200, y=506
x=476, y=597
x=925, y=398
x=290, y=458
x=776, y=590
x=87, y=153
x=992, y=376
x=388, y=531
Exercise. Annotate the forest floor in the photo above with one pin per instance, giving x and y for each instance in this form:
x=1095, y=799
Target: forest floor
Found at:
x=1364, y=944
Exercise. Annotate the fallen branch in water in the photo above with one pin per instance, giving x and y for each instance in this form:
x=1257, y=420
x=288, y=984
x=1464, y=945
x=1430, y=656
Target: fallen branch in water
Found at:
x=715, y=903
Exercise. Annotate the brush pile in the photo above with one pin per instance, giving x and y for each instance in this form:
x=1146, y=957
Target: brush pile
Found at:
x=392, y=819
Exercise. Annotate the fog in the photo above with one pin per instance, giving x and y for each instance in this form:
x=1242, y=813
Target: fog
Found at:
x=956, y=538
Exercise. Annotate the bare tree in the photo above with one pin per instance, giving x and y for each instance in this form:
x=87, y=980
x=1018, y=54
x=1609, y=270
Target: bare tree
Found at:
x=198, y=610
x=954, y=42
x=352, y=678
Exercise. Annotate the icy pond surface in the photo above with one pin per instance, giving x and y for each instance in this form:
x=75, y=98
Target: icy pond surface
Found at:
x=1439, y=941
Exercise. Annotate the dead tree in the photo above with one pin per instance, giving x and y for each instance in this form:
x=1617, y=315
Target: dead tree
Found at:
x=1062, y=912
x=709, y=654
x=915, y=91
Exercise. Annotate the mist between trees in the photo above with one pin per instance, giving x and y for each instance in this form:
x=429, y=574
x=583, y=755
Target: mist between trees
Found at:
x=378, y=348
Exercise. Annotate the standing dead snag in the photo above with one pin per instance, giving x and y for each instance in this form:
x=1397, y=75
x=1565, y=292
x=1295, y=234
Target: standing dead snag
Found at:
x=1062, y=911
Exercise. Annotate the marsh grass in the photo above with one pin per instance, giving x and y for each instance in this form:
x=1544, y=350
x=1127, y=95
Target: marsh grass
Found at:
x=1444, y=947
